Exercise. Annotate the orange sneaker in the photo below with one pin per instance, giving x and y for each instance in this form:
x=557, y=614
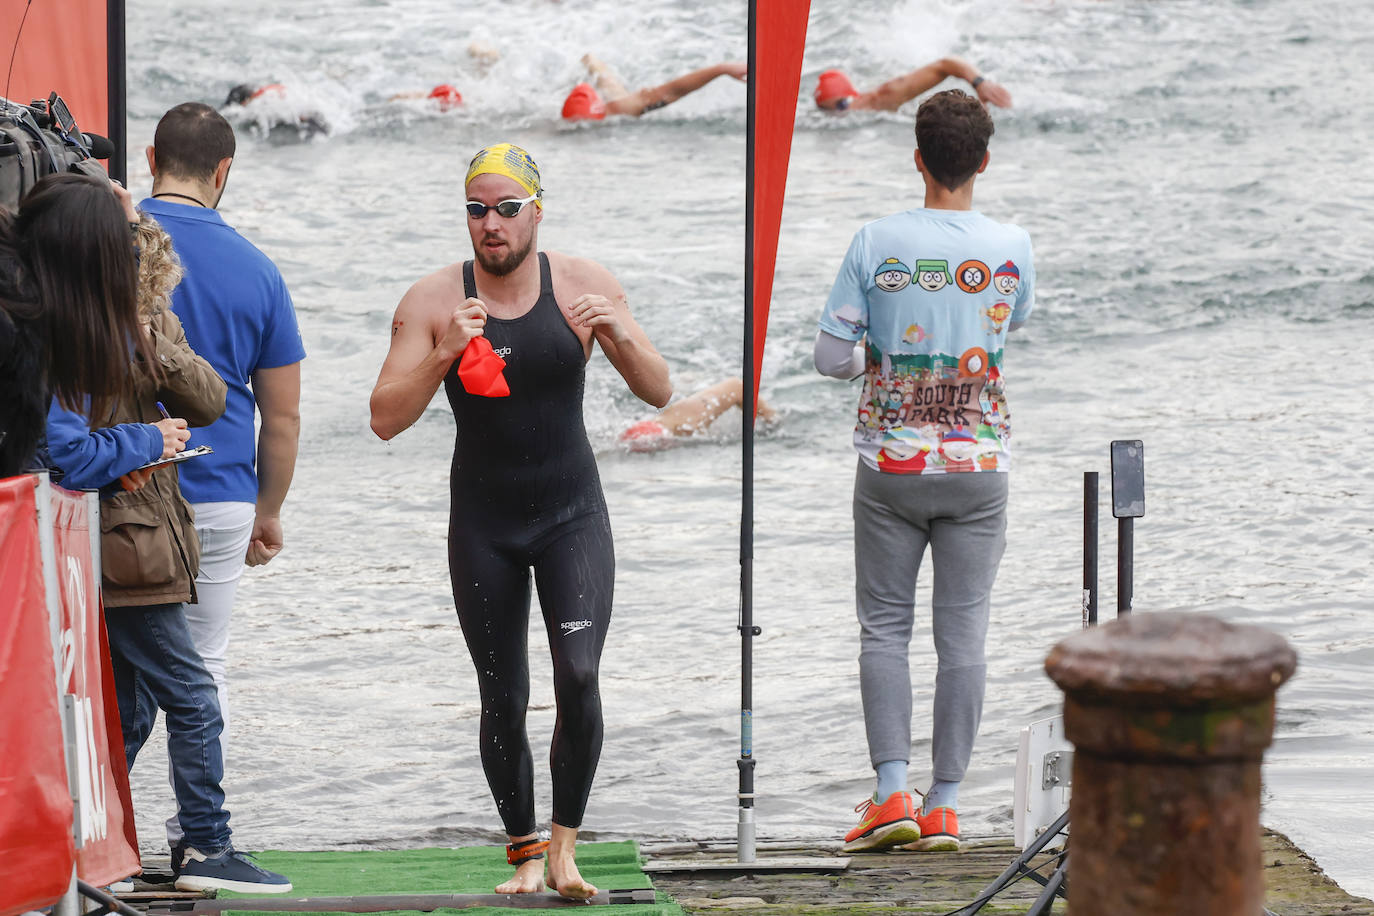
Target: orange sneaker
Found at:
x=893, y=823
x=939, y=831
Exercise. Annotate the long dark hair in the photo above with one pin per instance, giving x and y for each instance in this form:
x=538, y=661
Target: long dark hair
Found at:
x=74, y=237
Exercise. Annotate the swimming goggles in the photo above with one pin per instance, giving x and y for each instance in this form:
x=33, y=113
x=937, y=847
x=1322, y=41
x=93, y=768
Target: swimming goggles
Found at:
x=506, y=208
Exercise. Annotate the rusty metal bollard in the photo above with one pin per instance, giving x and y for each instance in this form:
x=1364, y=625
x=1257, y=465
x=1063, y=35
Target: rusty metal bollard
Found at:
x=1169, y=714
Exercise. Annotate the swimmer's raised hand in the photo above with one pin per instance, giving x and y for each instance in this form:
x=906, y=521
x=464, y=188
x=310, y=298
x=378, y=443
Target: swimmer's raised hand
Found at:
x=590, y=310
x=467, y=321
x=994, y=93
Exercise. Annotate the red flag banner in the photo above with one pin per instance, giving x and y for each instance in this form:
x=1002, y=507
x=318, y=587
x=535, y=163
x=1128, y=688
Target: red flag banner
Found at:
x=35, y=804
x=780, y=42
x=62, y=47
x=109, y=849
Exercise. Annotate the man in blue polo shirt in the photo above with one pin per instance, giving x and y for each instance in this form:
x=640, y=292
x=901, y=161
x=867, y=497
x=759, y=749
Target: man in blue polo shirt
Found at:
x=238, y=316
x=921, y=309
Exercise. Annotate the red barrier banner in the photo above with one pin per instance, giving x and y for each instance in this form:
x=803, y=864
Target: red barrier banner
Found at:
x=36, y=850
x=109, y=847
x=59, y=45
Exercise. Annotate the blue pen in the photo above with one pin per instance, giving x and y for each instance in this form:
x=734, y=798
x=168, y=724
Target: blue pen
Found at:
x=163, y=410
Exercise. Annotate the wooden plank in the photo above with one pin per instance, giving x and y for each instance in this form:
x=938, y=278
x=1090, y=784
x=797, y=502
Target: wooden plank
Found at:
x=927, y=884
x=380, y=903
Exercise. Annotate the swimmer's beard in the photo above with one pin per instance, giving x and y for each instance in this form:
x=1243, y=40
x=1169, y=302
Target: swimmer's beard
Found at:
x=500, y=265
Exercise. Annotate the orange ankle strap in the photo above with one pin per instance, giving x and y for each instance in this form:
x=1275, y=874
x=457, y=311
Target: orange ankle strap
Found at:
x=518, y=853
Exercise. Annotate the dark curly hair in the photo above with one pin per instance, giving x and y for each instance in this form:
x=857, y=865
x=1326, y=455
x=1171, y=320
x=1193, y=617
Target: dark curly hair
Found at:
x=952, y=131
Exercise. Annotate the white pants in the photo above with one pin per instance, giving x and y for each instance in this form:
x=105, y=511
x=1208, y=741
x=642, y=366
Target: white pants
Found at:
x=224, y=530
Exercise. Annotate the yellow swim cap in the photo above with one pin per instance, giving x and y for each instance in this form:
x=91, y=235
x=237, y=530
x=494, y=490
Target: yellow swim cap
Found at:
x=511, y=161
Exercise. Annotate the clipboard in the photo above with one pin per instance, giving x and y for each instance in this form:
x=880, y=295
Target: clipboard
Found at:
x=179, y=457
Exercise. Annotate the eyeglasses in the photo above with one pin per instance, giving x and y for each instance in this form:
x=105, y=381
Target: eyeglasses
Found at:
x=506, y=208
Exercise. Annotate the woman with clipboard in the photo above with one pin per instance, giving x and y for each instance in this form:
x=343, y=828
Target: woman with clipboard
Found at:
x=150, y=551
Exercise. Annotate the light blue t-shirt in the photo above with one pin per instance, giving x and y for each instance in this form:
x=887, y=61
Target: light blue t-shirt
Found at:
x=934, y=292
x=238, y=316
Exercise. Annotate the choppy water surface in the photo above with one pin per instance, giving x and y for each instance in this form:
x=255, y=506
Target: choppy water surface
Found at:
x=1196, y=179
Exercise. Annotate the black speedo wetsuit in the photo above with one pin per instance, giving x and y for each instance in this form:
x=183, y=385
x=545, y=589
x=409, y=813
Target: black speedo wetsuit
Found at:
x=526, y=493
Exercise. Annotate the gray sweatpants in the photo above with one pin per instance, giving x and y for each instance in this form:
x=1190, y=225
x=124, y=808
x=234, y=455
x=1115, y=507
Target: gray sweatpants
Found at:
x=964, y=520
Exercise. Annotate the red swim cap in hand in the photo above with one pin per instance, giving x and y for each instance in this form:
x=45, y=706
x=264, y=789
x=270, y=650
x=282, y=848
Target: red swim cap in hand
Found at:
x=480, y=370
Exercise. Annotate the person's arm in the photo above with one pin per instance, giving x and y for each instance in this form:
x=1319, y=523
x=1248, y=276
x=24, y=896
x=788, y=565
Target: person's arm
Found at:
x=636, y=103
x=604, y=309
x=1025, y=291
x=607, y=83
x=417, y=362
x=897, y=92
x=837, y=357
x=91, y=459
x=278, y=395
x=190, y=387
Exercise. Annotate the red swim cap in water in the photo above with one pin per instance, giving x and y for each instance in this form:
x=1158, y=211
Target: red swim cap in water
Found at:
x=480, y=370
x=832, y=85
x=446, y=96
x=583, y=104
x=647, y=436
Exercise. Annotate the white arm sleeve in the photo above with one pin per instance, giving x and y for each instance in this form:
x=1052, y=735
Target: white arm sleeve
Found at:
x=837, y=357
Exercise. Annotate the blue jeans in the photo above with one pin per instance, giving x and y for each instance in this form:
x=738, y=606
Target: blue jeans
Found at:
x=156, y=666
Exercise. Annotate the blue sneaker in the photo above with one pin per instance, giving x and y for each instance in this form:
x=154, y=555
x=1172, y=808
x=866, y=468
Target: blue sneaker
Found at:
x=228, y=870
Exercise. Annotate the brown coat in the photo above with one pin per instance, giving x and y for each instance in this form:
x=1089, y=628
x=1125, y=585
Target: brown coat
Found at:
x=149, y=549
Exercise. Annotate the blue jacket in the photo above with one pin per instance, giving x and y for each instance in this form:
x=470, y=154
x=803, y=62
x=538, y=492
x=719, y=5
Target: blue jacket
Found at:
x=96, y=459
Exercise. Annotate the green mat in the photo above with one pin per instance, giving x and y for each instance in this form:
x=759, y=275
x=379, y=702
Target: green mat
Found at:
x=474, y=870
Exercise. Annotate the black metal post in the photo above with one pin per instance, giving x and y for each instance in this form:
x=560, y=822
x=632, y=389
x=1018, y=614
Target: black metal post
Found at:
x=1044, y=904
x=117, y=88
x=1125, y=549
x=745, y=833
x=1089, y=548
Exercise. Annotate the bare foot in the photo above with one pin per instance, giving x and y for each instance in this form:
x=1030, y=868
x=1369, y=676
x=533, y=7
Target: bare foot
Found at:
x=564, y=878
x=765, y=412
x=528, y=879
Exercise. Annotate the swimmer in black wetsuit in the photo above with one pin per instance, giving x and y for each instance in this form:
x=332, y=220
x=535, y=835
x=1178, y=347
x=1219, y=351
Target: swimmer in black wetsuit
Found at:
x=525, y=489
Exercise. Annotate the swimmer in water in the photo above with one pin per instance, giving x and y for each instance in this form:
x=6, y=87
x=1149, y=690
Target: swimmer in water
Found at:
x=834, y=91
x=610, y=97
x=689, y=416
x=271, y=105
x=444, y=95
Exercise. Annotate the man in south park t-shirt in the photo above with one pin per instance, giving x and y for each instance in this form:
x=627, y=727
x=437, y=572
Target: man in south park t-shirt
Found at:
x=921, y=309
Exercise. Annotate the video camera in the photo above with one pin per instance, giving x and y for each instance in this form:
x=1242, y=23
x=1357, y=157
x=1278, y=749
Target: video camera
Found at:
x=39, y=139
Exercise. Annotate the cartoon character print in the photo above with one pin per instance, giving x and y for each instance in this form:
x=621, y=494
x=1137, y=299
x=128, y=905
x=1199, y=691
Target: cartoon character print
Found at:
x=914, y=334
x=852, y=318
x=1007, y=278
x=997, y=316
x=933, y=275
x=972, y=276
x=988, y=448
x=903, y=452
x=958, y=448
x=892, y=276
